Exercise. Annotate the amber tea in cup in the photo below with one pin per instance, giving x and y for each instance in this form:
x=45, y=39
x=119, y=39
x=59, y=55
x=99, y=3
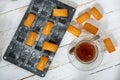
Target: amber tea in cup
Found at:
x=86, y=51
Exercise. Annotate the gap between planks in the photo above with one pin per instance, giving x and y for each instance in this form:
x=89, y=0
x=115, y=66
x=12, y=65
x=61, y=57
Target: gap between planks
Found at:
x=27, y=77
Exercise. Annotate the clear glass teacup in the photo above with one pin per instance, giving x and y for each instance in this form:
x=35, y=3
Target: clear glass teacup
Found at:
x=85, y=54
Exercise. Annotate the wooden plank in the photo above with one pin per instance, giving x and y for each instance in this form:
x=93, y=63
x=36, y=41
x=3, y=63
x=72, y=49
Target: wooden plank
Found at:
x=10, y=5
x=109, y=5
x=111, y=20
x=17, y=73
x=11, y=19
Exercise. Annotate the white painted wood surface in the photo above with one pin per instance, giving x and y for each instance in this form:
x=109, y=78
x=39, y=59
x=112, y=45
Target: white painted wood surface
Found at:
x=11, y=13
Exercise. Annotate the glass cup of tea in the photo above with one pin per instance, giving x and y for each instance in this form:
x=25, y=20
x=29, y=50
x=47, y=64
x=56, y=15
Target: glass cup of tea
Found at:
x=85, y=54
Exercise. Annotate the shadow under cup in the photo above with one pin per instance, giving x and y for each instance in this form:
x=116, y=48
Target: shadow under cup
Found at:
x=86, y=54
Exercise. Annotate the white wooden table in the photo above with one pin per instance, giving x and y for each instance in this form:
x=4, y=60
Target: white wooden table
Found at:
x=11, y=13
